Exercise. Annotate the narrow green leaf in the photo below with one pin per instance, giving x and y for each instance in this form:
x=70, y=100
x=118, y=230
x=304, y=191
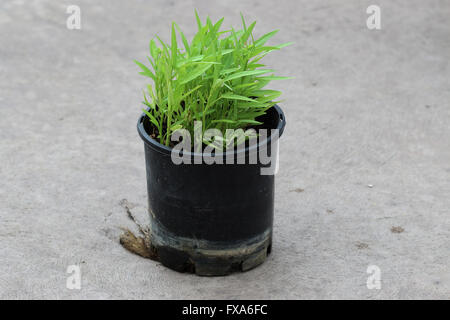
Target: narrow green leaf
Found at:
x=217, y=25
x=224, y=121
x=226, y=71
x=199, y=23
x=191, y=91
x=176, y=127
x=284, y=45
x=183, y=38
x=151, y=117
x=253, y=105
x=153, y=49
x=246, y=73
x=146, y=71
x=236, y=97
x=243, y=21
x=196, y=73
x=174, y=47
x=226, y=51
x=248, y=32
x=261, y=93
x=264, y=38
x=245, y=85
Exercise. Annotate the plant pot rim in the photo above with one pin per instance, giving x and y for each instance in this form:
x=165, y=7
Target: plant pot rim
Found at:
x=155, y=145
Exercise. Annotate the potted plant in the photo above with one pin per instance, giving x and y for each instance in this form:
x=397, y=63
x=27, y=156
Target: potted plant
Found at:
x=209, y=127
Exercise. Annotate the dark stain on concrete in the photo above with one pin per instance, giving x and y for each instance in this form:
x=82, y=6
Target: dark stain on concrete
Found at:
x=397, y=229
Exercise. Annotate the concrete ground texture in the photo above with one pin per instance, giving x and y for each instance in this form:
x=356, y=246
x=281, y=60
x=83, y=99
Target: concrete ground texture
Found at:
x=363, y=190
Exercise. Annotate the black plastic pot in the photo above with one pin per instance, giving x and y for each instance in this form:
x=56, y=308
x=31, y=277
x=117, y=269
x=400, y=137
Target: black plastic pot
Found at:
x=210, y=219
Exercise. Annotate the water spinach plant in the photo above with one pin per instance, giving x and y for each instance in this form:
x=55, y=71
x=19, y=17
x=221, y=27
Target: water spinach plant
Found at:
x=216, y=79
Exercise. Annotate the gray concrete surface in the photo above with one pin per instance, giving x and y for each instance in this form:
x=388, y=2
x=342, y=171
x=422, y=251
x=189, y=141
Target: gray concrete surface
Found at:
x=366, y=108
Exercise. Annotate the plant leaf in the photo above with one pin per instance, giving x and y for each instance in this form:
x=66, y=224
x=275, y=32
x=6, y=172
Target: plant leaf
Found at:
x=151, y=117
x=265, y=37
x=146, y=71
x=197, y=73
x=236, y=97
x=246, y=73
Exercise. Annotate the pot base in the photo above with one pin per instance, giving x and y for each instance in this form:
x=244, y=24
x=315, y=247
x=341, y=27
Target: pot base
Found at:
x=208, y=258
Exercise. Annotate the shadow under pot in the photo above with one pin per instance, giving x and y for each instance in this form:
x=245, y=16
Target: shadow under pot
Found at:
x=213, y=219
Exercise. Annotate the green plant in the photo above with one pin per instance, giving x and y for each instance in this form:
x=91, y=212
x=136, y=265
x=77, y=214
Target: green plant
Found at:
x=216, y=79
